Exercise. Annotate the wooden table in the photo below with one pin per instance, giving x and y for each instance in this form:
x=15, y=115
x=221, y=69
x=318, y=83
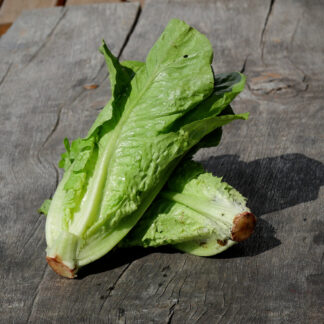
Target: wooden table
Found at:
x=10, y=10
x=48, y=60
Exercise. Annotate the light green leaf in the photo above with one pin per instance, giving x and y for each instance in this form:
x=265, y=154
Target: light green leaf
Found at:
x=194, y=212
x=153, y=118
x=120, y=76
x=43, y=209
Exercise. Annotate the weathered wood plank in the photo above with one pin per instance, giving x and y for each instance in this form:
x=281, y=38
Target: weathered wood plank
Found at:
x=296, y=40
x=34, y=97
x=25, y=39
x=11, y=9
x=212, y=18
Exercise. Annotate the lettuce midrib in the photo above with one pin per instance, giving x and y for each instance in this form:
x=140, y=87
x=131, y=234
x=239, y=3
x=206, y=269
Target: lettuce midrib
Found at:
x=91, y=216
x=99, y=242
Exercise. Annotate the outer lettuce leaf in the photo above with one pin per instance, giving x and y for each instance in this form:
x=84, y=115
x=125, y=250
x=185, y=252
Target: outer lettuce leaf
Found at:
x=154, y=117
x=43, y=209
x=120, y=76
x=194, y=212
x=133, y=66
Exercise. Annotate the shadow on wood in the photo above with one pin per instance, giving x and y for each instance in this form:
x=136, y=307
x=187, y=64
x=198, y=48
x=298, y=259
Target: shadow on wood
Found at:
x=273, y=183
x=119, y=257
x=263, y=239
x=270, y=184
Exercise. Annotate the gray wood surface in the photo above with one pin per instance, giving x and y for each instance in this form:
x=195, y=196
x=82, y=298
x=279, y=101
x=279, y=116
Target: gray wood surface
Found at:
x=41, y=95
x=275, y=159
x=24, y=39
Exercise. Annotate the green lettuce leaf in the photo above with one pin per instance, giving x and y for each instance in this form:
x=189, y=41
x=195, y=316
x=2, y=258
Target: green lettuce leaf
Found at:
x=43, y=209
x=158, y=111
x=195, y=212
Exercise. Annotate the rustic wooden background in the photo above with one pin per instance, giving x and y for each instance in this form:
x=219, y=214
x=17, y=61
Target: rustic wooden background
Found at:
x=48, y=64
x=10, y=10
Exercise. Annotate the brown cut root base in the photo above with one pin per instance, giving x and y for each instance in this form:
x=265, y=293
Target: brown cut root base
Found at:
x=243, y=226
x=60, y=268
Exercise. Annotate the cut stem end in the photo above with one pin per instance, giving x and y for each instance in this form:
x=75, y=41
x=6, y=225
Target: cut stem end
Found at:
x=60, y=268
x=243, y=226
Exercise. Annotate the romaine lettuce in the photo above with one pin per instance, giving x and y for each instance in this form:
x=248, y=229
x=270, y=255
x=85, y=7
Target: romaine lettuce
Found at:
x=197, y=212
x=159, y=110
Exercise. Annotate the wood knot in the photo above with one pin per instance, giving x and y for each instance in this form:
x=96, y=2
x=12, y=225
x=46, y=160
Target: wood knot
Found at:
x=276, y=85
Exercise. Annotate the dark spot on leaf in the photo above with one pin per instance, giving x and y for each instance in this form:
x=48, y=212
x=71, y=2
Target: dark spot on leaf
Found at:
x=160, y=284
x=185, y=56
x=102, y=297
x=222, y=243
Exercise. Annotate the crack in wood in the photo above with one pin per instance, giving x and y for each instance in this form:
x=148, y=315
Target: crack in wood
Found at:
x=290, y=48
x=6, y=74
x=53, y=131
x=169, y=282
x=166, y=287
x=33, y=232
x=194, y=313
x=129, y=34
x=49, y=136
x=48, y=37
x=36, y=294
x=244, y=64
x=223, y=314
x=171, y=311
x=173, y=306
x=113, y=286
x=200, y=316
x=262, y=43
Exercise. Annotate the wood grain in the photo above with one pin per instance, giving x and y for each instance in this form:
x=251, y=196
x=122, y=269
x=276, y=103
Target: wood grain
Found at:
x=11, y=9
x=275, y=159
x=25, y=39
